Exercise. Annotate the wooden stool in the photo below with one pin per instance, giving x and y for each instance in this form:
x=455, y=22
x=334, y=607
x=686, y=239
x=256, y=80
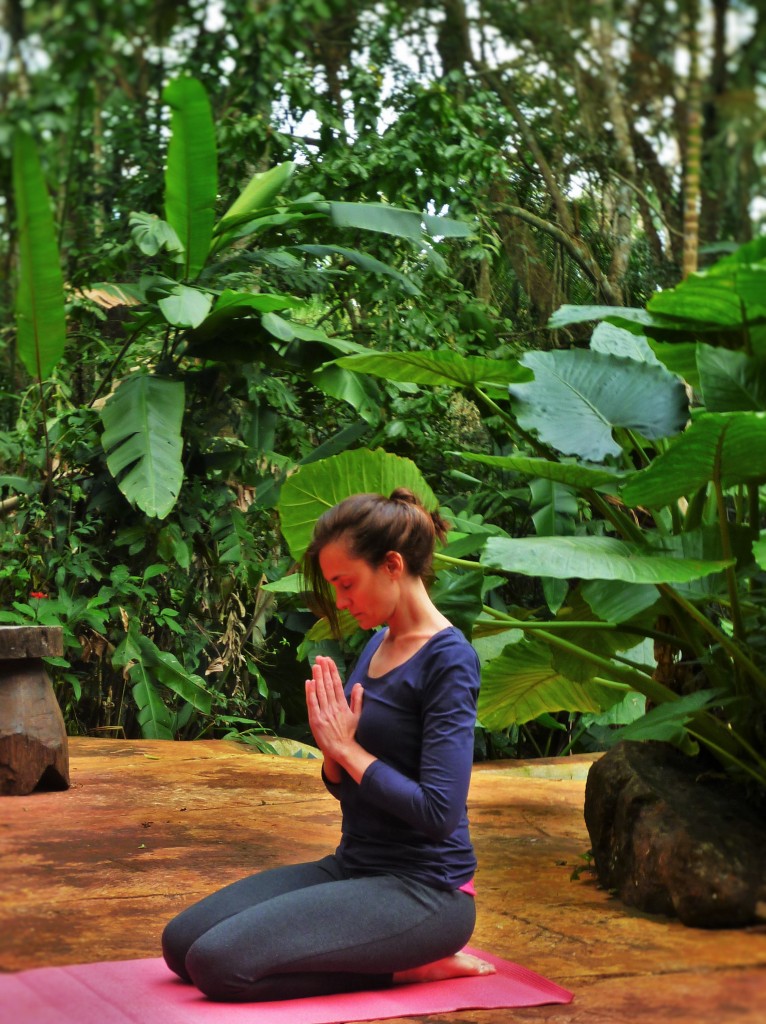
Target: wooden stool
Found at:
x=33, y=742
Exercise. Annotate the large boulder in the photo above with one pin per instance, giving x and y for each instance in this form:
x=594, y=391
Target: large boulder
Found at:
x=672, y=836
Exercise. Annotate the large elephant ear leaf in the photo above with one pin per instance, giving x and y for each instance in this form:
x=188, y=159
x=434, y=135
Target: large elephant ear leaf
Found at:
x=730, y=447
x=522, y=684
x=578, y=397
x=191, y=177
x=142, y=441
x=440, y=367
x=320, y=485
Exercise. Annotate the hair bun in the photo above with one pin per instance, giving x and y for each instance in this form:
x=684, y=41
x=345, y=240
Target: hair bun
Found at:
x=405, y=495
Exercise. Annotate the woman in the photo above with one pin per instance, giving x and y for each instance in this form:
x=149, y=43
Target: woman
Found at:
x=394, y=904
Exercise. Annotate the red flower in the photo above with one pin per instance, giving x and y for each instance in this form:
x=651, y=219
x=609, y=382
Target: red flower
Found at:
x=38, y=594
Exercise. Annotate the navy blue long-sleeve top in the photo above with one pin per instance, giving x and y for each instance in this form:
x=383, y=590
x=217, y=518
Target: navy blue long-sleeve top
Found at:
x=407, y=816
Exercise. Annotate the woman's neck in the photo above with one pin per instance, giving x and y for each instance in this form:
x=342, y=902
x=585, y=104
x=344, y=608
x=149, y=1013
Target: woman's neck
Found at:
x=415, y=615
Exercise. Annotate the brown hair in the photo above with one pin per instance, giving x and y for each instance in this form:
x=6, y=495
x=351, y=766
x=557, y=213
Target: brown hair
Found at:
x=372, y=525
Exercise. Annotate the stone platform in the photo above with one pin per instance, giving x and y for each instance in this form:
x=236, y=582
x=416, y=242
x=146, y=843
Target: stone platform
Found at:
x=94, y=872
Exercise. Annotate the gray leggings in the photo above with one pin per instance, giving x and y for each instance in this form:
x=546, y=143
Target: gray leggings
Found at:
x=309, y=929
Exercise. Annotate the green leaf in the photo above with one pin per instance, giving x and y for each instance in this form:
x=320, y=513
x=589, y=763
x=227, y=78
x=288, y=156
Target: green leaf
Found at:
x=610, y=339
x=601, y=642
x=667, y=722
x=258, y=194
x=616, y=601
x=233, y=307
x=436, y=367
x=712, y=298
x=292, y=330
x=569, y=314
x=705, y=544
x=491, y=644
x=40, y=311
x=759, y=550
x=553, y=506
x=680, y=357
x=167, y=669
x=364, y=262
x=153, y=717
x=446, y=227
x=630, y=708
x=151, y=233
x=142, y=440
x=522, y=684
x=591, y=558
x=291, y=584
x=751, y=252
x=236, y=304
x=731, y=381
x=578, y=397
x=472, y=523
x=322, y=630
x=349, y=387
x=191, y=176
x=574, y=474
x=172, y=547
x=734, y=443
x=233, y=337
x=320, y=485
x=185, y=306
x=458, y=596
x=19, y=484
x=391, y=220
x=551, y=503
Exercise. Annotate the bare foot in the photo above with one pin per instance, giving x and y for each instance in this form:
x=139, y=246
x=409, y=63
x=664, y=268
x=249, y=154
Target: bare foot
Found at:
x=461, y=965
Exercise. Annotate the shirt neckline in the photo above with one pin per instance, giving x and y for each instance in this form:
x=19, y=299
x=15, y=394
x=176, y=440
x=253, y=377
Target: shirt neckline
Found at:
x=445, y=629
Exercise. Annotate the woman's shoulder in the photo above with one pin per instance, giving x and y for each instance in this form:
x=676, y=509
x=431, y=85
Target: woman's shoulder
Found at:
x=451, y=645
x=450, y=637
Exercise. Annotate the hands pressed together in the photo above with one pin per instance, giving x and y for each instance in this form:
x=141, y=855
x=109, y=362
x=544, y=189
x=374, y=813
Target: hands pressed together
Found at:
x=334, y=722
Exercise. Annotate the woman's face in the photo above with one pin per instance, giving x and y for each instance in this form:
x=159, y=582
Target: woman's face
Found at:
x=369, y=594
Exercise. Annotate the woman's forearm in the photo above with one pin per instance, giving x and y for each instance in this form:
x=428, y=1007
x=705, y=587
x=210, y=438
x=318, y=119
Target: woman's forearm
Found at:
x=332, y=770
x=354, y=759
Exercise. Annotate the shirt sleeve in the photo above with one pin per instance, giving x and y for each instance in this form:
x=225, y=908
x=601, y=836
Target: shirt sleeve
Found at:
x=435, y=802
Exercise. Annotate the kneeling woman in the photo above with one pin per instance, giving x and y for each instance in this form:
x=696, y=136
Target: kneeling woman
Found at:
x=394, y=903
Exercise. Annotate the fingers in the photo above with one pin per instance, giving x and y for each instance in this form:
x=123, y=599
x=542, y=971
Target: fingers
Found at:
x=357, y=697
x=329, y=686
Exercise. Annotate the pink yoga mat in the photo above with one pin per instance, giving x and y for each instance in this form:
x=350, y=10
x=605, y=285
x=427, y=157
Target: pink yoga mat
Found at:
x=145, y=992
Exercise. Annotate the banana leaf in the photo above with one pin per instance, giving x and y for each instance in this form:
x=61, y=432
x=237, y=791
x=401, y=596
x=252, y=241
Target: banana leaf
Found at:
x=142, y=440
x=40, y=311
x=191, y=174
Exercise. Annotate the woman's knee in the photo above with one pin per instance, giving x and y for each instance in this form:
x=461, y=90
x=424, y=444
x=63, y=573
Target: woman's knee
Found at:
x=213, y=968
x=175, y=945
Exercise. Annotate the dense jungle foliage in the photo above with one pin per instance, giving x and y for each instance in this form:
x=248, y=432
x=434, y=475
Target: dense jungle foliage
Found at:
x=259, y=255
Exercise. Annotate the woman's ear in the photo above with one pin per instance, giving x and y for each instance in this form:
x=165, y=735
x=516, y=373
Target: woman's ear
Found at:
x=394, y=564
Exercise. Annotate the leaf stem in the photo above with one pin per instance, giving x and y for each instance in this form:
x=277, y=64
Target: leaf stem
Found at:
x=710, y=729
x=723, y=525
x=733, y=649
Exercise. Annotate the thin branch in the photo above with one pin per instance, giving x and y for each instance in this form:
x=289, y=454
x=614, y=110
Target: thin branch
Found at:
x=574, y=247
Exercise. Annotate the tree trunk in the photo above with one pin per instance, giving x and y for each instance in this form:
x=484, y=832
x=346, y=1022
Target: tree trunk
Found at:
x=626, y=160
x=693, y=146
